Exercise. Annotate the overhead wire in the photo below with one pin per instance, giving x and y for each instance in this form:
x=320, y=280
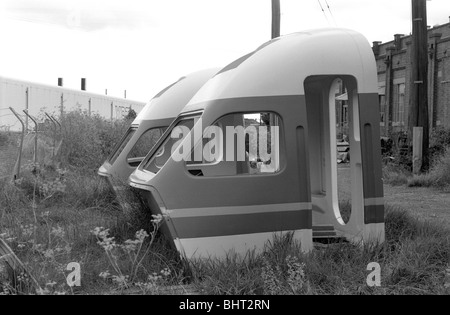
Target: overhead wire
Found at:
x=331, y=13
x=323, y=11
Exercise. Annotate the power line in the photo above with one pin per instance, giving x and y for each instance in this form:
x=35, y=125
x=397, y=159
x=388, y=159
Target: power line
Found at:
x=321, y=7
x=331, y=13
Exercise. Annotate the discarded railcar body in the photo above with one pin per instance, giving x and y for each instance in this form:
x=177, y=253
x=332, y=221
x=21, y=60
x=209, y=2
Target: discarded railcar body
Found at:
x=215, y=205
x=149, y=126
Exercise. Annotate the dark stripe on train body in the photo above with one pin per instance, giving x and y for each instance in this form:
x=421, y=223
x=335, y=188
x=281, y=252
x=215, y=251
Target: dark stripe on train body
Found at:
x=370, y=145
x=373, y=214
x=223, y=225
x=235, y=63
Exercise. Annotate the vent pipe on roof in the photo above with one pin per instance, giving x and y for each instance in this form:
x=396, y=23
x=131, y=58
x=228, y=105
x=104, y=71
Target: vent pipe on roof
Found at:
x=398, y=41
x=83, y=84
x=376, y=48
x=60, y=82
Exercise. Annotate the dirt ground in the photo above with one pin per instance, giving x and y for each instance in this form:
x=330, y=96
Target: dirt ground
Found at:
x=427, y=203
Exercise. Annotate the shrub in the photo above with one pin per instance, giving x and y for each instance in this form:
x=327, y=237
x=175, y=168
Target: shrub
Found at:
x=441, y=169
x=88, y=140
x=395, y=175
x=439, y=141
x=438, y=176
x=3, y=139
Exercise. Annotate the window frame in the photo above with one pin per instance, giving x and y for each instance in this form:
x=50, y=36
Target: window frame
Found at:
x=162, y=131
x=163, y=139
x=121, y=145
x=281, y=149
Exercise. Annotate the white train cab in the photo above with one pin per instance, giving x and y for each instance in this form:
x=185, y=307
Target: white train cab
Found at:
x=253, y=153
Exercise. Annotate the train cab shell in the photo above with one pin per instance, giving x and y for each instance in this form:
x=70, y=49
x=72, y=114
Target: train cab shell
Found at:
x=273, y=168
x=149, y=126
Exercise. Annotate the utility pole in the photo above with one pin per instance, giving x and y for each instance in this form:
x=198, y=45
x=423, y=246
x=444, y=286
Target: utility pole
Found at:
x=418, y=116
x=276, y=18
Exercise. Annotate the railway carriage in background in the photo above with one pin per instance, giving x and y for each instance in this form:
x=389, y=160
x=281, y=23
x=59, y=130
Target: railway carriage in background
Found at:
x=213, y=206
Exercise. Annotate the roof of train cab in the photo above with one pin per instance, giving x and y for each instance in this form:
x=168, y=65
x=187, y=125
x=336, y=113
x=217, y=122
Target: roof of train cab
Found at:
x=171, y=100
x=277, y=68
x=281, y=66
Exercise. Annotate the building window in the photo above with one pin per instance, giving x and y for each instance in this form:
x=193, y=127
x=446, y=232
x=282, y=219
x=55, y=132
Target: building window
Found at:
x=382, y=99
x=398, y=118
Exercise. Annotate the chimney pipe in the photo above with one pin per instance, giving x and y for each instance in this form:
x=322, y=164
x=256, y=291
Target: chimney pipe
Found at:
x=398, y=41
x=376, y=48
x=83, y=84
x=60, y=82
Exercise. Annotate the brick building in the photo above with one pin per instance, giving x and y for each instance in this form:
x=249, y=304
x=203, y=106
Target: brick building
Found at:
x=394, y=80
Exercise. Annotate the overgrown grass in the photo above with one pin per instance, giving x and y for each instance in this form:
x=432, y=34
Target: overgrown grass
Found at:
x=395, y=175
x=49, y=233
x=48, y=217
x=438, y=176
x=413, y=260
x=48, y=236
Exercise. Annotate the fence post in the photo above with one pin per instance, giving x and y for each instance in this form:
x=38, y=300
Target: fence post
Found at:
x=417, y=149
x=27, y=105
x=19, y=158
x=60, y=140
x=62, y=105
x=35, y=136
x=54, y=134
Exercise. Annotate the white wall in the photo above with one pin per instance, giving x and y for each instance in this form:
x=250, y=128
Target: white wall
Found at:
x=13, y=93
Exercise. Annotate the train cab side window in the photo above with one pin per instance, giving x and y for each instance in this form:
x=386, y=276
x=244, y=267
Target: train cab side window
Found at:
x=238, y=144
x=121, y=145
x=144, y=145
x=165, y=150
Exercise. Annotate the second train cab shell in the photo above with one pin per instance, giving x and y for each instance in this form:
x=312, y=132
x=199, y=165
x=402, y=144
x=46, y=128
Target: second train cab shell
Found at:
x=272, y=168
x=149, y=126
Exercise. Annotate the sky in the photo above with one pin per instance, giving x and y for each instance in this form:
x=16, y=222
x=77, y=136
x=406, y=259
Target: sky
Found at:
x=142, y=46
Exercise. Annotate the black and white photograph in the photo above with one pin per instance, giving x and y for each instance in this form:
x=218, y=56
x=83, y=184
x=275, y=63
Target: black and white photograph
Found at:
x=227, y=155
